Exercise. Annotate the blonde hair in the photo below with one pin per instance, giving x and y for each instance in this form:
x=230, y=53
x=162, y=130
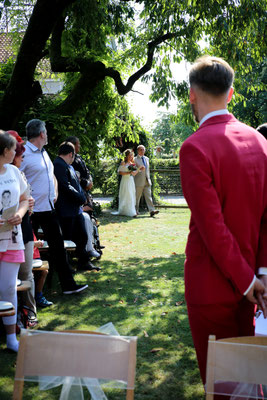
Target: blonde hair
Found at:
x=126, y=154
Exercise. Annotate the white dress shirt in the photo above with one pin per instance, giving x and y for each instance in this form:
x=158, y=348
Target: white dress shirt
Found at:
x=39, y=171
x=213, y=114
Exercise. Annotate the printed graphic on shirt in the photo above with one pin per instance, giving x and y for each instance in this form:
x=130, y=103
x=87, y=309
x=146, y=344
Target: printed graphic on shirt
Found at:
x=7, y=212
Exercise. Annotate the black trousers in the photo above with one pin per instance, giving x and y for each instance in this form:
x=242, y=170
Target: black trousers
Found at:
x=49, y=223
x=73, y=228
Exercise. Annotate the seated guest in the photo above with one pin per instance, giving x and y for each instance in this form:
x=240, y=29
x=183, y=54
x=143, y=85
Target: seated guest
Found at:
x=79, y=165
x=68, y=206
x=91, y=245
x=40, y=277
x=86, y=183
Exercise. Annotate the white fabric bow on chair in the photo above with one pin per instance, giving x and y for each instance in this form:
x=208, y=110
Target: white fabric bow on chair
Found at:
x=71, y=386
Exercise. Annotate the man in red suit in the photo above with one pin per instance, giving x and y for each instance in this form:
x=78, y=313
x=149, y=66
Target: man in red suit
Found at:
x=224, y=179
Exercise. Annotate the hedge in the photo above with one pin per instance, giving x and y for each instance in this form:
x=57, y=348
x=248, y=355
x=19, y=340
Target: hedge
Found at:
x=165, y=174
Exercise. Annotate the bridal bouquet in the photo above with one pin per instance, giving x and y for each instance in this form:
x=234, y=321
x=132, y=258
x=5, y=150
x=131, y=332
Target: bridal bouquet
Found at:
x=132, y=167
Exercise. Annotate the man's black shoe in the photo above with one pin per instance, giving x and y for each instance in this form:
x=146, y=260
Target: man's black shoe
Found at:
x=93, y=253
x=75, y=289
x=152, y=213
x=88, y=267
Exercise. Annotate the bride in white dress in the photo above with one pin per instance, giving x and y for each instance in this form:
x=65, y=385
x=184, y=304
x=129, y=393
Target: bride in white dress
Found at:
x=127, y=197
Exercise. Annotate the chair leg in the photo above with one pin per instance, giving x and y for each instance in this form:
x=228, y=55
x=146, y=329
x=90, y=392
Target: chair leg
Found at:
x=18, y=390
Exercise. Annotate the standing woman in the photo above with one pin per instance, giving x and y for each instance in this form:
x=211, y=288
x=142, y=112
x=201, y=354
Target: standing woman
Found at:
x=11, y=243
x=25, y=270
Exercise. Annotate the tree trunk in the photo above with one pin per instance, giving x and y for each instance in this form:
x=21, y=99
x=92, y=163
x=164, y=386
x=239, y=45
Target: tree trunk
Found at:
x=22, y=89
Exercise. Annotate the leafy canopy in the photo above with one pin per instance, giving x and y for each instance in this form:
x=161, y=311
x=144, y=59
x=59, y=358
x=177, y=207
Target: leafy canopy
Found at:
x=102, y=45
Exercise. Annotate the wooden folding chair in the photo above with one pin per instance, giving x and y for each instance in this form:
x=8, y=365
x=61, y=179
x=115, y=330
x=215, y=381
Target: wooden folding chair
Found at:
x=75, y=354
x=235, y=360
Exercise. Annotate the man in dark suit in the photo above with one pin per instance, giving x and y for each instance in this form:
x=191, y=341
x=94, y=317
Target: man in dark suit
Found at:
x=224, y=179
x=68, y=206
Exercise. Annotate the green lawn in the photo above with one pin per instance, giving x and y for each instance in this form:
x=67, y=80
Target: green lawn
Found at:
x=141, y=290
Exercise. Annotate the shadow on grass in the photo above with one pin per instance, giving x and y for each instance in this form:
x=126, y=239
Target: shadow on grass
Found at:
x=108, y=218
x=143, y=298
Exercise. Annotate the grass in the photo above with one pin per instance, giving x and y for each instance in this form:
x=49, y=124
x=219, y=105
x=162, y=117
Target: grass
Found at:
x=141, y=290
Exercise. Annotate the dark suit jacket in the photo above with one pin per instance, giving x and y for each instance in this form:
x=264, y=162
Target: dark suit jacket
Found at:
x=224, y=179
x=80, y=166
x=70, y=193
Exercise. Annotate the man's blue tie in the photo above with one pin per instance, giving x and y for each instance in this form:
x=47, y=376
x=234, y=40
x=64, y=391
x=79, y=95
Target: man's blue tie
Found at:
x=144, y=161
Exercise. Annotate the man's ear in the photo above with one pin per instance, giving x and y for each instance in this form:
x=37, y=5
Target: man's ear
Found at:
x=192, y=95
x=230, y=94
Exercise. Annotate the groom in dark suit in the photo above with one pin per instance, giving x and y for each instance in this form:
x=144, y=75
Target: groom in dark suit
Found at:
x=224, y=179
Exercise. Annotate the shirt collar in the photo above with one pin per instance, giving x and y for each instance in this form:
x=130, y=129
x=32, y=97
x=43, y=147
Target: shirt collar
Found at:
x=33, y=147
x=213, y=114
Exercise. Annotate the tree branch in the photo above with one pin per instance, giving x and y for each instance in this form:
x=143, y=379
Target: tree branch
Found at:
x=123, y=89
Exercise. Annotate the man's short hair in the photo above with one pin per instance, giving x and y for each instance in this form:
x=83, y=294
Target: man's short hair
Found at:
x=212, y=75
x=72, y=139
x=34, y=127
x=66, y=148
x=263, y=130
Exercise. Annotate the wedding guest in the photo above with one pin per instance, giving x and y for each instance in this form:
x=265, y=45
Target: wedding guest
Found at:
x=127, y=196
x=39, y=172
x=224, y=180
x=143, y=181
x=263, y=130
x=40, y=277
x=69, y=205
x=27, y=297
x=86, y=182
x=11, y=251
x=80, y=166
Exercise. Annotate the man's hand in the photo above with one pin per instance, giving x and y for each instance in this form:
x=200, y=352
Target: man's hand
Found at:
x=263, y=279
x=255, y=295
x=31, y=202
x=31, y=205
x=87, y=208
x=39, y=244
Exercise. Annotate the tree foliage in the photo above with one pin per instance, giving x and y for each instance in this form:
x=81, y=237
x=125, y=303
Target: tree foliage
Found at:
x=252, y=107
x=170, y=132
x=100, y=43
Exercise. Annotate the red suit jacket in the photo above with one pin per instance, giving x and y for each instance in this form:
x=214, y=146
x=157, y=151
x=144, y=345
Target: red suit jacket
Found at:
x=224, y=180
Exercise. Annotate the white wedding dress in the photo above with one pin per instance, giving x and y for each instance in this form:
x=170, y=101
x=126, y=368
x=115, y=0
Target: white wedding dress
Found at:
x=126, y=194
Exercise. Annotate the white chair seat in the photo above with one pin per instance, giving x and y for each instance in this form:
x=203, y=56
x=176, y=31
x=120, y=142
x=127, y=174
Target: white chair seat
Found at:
x=37, y=263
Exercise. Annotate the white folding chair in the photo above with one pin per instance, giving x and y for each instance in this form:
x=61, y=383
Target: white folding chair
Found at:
x=237, y=367
x=76, y=354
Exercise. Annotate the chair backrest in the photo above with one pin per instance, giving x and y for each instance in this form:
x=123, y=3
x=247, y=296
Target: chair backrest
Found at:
x=235, y=360
x=87, y=355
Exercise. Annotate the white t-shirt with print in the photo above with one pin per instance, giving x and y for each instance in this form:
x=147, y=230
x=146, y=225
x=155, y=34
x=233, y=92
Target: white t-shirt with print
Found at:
x=12, y=186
